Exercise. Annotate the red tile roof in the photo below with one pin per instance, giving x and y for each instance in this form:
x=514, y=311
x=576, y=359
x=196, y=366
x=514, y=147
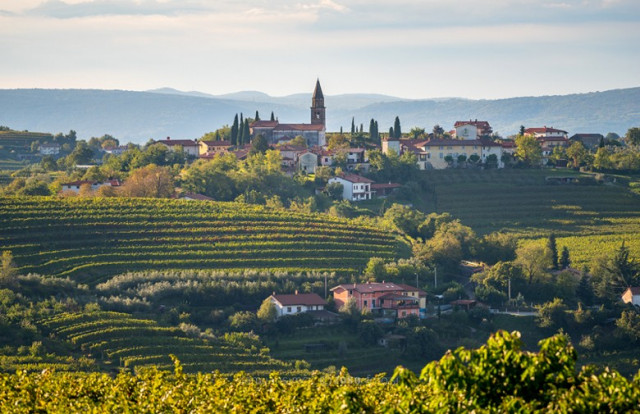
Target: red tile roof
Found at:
x=217, y=143
x=476, y=123
x=355, y=178
x=308, y=299
x=635, y=290
x=264, y=124
x=182, y=142
x=370, y=287
x=542, y=130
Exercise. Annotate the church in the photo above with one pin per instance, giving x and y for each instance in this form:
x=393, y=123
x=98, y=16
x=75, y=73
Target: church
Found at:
x=314, y=133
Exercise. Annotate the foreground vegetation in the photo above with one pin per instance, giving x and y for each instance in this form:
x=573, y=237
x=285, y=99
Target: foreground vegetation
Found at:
x=497, y=376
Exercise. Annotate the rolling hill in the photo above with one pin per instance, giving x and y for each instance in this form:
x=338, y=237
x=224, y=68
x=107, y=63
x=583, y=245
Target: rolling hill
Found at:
x=138, y=116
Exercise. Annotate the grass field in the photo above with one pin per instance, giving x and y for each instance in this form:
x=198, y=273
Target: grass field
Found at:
x=589, y=219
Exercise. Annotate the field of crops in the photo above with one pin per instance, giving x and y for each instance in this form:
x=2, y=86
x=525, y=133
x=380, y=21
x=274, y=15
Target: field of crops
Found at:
x=589, y=219
x=122, y=341
x=90, y=240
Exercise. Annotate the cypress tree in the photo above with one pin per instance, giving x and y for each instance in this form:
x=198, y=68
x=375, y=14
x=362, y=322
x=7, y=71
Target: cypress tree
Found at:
x=372, y=127
x=246, y=132
x=377, y=136
x=340, y=129
x=601, y=144
x=353, y=126
x=272, y=117
x=217, y=137
x=257, y=116
x=391, y=133
x=396, y=128
x=361, y=128
x=553, y=248
x=241, y=133
x=585, y=290
x=565, y=260
x=234, y=131
x=521, y=130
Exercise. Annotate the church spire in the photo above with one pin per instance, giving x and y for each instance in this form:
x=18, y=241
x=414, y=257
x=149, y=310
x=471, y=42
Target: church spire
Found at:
x=317, y=106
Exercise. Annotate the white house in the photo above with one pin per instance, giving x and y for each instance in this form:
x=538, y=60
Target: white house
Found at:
x=467, y=131
x=75, y=185
x=297, y=303
x=354, y=187
x=49, y=149
x=189, y=146
x=632, y=296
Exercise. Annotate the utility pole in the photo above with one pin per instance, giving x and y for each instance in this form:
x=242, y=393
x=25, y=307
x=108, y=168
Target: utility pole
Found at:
x=417, y=286
x=325, y=285
x=436, y=278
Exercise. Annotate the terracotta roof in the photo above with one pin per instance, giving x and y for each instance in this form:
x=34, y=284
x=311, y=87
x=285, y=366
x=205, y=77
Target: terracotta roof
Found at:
x=182, y=142
x=355, y=178
x=217, y=143
x=308, y=299
x=295, y=148
x=542, y=130
x=264, y=124
x=476, y=123
x=241, y=153
x=410, y=288
x=508, y=144
x=370, y=287
x=299, y=127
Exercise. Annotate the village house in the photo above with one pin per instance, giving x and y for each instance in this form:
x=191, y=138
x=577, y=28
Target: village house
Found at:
x=590, y=141
x=382, y=299
x=307, y=162
x=49, y=149
x=75, y=185
x=119, y=150
x=471, y=129
x=354, y=187
x=189, y=146
x=297, y=303
x=549, y=138
x=213, y=147
x=632, y=296
x=314, y=133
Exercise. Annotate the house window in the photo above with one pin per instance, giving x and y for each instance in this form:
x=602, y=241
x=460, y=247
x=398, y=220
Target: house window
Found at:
x=299, y=309
x=441, y=155
x=441, y=147
x=404, y=313
x=288, y=308
x=365, y=303
x=373, y=303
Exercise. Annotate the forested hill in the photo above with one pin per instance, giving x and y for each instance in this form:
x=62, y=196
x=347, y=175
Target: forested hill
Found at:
x=138, y=116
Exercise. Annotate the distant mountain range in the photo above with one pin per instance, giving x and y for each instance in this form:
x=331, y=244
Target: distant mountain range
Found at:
x=138, y=116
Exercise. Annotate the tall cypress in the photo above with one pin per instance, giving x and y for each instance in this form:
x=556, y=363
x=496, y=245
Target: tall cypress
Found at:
x=234, y=131
x=553, y=248
x=565, y=260
x=396, y=128
x=273, y=118
x=391, y=133
x=377, y=135
x=353, y=125
x=372, y=127
x=217, y=137
x=257, y=116
x=246, y=133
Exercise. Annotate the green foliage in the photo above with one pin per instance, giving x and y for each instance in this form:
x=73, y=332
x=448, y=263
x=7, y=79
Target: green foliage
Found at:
x=528, y=150
x=552, y=315
x=267, y=311
x=633, y=136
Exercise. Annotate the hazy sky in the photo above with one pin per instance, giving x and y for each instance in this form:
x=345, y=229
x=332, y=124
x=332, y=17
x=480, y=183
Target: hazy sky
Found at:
x=407, y=48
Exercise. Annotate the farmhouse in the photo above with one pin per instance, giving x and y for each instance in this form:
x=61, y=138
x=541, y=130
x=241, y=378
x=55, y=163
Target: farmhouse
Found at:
x=382, y=299
x=471, y=129
x=49, y=149
x=297, y=303
x=189, y=146
x=314, y=133
x=632, y=295
x=354, y=186
x=590, y=141
x=213, y=147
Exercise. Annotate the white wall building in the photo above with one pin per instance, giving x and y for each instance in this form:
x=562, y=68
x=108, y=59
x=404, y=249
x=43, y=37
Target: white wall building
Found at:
x=354, y=187
x=297, y=303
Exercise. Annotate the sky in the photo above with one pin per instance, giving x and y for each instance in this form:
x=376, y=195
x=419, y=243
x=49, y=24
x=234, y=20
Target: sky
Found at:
x=477, y=49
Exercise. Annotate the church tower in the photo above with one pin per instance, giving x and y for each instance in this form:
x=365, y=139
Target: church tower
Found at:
x=317, y=106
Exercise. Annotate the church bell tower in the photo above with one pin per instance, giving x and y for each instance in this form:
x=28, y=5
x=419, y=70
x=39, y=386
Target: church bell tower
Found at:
x=317, y=106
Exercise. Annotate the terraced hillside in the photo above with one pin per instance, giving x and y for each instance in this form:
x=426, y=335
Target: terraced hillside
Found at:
x=90, y=240
x=119, y=340
x=589, y=219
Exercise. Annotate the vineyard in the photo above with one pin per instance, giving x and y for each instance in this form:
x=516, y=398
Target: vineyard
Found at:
x=589, y=219
x=118, y=340
x=90, y=240
x=498, y=377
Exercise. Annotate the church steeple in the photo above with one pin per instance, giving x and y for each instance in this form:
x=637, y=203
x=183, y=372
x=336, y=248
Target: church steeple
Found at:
x=317, y=106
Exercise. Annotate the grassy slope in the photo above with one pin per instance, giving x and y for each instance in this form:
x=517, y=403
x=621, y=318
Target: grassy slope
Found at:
x=590, y=220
